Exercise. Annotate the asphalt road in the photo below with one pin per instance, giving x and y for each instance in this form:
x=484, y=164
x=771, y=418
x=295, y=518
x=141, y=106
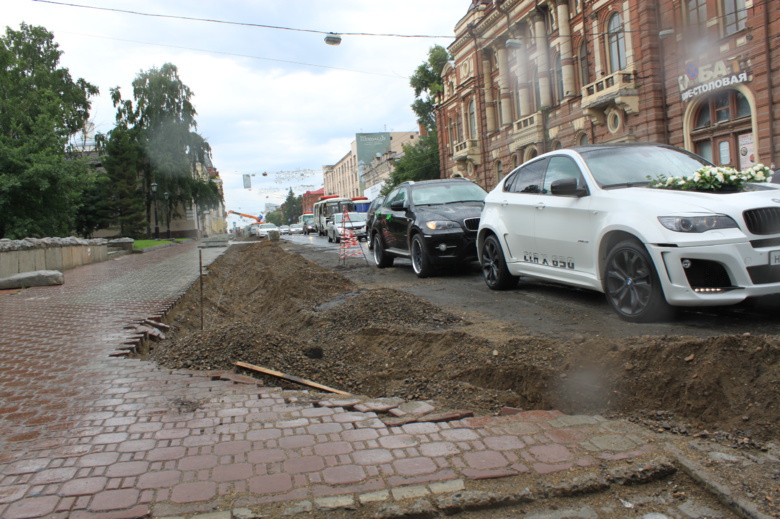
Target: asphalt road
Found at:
x=554, y=311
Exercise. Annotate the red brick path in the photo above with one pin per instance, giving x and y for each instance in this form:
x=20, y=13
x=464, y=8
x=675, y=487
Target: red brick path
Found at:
x=86, y=434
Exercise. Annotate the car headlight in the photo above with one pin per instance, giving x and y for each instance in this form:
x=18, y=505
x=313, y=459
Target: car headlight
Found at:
x=442, y=225
x=697, y=223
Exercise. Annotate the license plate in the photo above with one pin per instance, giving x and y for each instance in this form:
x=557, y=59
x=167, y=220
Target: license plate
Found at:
x=774, y=257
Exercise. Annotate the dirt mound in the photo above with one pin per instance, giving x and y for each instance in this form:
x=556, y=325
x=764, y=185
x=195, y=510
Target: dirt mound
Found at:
x=264, y=306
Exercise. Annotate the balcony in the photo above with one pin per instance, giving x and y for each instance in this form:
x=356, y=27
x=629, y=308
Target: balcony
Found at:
x=619, y=88
x=467, y=150
x=528, y=130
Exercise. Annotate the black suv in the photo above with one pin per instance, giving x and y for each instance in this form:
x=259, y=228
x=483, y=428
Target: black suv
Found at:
x=372, y=209
x=433, y=222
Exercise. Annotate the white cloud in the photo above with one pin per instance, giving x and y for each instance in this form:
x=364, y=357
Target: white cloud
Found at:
x=273, y=114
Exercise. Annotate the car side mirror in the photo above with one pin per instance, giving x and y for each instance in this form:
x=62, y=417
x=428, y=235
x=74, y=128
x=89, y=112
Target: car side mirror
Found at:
x=567, y=187
x=398, y=205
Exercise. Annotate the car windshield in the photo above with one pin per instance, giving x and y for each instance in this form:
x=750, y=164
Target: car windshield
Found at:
x=637, y=165
x=268, y=226
x=353, y=217
x=447, y=193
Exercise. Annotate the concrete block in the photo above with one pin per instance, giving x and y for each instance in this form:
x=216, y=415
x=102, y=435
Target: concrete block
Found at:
x=32, y=279
x=68, y=260
x=26, y=260
x=53, y=258
x=100, y=253
x=9, y=263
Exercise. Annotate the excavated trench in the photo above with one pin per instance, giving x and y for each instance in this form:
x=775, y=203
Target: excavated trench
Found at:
x=268, y=307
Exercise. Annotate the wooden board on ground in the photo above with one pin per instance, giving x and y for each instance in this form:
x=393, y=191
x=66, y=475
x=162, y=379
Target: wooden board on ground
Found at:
x=291, y=378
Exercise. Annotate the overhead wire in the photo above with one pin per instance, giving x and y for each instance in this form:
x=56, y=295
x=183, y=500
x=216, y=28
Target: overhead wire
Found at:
x=246, y=24
x=395, y=76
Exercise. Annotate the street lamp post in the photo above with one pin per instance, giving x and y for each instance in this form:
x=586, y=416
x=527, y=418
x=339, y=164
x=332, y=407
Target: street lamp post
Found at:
x=156, y=222
x=167, y=196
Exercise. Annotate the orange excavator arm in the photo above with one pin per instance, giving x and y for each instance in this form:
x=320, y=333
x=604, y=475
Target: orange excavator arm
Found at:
x=255, y=218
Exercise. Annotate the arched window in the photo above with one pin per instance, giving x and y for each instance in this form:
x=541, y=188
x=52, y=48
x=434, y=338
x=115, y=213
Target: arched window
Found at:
x=721, y=127
x=472, y=120
x=616, y=43
x=583, y=140
x=584, y=76
x=722, y=107
x=499, y=171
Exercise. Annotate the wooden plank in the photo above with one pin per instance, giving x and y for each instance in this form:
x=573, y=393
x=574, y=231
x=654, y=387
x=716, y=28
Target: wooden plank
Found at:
x=291, y=378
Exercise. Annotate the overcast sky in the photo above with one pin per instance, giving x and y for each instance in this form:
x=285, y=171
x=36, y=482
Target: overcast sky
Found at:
x=268, y=100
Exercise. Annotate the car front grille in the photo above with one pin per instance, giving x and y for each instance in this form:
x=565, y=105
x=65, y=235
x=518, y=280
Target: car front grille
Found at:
x=471, y=224
x=765, y=220
x=764, y=274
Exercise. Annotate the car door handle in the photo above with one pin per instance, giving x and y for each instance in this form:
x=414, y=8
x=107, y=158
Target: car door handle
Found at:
x=540, y=206
x=504, y=203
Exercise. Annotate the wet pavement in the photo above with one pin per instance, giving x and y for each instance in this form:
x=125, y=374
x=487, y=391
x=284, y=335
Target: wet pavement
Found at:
x=87, y=432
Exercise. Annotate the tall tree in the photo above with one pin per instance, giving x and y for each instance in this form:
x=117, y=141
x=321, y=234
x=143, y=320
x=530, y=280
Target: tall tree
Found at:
x=292, y=208
x=121, y=161
x=419, y=162
x=161, y=117
x=427, y=82
x=40, y=107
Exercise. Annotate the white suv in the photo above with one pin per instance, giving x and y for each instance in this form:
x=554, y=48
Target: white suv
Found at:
x=587, y=217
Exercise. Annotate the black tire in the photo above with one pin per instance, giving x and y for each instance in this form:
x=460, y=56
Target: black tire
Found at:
x=421, y=263
x=493, y=263
x=381, y=258
x=632, y=286
x=330, y=240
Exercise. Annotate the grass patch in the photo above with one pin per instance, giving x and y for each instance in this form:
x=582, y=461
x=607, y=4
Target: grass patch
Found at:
x=142, y=244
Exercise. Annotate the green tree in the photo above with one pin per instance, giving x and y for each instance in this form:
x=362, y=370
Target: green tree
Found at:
x=292, y=208
x=40, y=107
x=275, y=217
x=419, y=162
x=161, y=119
x=427, y=82
x=124, y=195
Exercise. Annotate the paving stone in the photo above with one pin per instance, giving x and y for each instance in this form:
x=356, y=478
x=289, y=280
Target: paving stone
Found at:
x=333, y=503
x=409, y=492
x=374, y=497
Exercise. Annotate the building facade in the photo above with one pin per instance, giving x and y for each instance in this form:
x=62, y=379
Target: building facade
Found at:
x=348, y=177
x=309, y=198
x=530, y=76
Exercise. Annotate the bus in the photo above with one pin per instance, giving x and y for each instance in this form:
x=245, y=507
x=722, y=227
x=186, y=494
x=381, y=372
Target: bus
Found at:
x=331, y=204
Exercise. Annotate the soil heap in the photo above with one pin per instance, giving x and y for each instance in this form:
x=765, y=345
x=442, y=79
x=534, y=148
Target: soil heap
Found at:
x=265, y=306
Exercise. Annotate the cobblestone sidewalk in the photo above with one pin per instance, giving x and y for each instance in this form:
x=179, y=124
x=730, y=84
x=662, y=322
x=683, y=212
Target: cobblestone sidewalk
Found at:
x=85, y=433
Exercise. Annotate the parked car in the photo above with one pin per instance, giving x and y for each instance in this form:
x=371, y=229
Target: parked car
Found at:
x=307, y=221
x=338, y=226
x=432, y=222
x=587, y=217
x=375, y=204
x=261, y=230
x=296, y=228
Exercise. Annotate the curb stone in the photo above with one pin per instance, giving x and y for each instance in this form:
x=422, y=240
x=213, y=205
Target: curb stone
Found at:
x=714, y=486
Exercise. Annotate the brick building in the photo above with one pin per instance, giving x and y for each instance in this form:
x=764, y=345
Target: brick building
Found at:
x=309, y=198
x=530, y=76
